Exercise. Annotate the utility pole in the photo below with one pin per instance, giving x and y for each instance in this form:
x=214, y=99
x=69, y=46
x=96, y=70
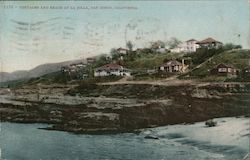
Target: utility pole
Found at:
x=1, y=69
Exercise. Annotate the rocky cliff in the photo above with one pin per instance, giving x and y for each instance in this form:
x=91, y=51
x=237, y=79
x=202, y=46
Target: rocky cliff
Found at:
x=123, y=108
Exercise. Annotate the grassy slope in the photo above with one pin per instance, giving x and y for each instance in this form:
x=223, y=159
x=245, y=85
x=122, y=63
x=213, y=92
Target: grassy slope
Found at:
x=238, y=58
x=150, y=61
x=14, y=83
x=54, y=77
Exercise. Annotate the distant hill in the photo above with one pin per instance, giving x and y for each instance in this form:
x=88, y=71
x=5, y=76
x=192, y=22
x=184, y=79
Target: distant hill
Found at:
x=35, y=72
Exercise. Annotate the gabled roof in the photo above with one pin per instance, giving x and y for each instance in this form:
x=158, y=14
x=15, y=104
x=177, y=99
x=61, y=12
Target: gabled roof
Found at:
x=208, y=40
x=111, y=66
x=222, y=65
x=171, y=63
x=190, y=40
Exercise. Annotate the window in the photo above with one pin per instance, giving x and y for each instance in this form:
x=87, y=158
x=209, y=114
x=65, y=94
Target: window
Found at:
x=222, y=70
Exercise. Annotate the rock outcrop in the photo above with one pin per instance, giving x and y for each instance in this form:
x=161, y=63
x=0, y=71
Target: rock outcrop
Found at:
x=135, y=106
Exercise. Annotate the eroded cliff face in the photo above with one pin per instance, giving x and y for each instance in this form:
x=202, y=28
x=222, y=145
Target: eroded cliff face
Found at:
x=122, y=108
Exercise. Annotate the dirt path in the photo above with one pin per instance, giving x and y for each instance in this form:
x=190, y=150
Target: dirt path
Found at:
x=171, y=81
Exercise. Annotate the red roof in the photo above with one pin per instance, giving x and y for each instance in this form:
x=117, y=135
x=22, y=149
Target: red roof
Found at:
x=208, y=40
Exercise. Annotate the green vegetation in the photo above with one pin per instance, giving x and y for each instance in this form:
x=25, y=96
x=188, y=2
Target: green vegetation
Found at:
x=152, y=77
x=88, y=85
x=13, y=84
x=230, y=46
x=238, y=58
x=140, y=61
x=55, y=77
x=173, y=43
x=130, y=45
x=144, y=91
x=201, y=55
x=150, y=61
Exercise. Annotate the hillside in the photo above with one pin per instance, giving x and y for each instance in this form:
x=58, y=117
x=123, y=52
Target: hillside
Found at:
x=35, y=72
x=238, y=58
x=17, y=75
x=150, y=61
x=49, y=73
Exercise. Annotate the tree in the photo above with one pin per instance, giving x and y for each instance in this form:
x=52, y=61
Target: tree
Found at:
x=230, y=46
x=157, y=44
x=173, y=43
x=129, y=45
x=238, y=47
x=102, y=60
x=114, y=54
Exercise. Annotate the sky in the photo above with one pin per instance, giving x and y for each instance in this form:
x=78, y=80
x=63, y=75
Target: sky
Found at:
x=38, y=32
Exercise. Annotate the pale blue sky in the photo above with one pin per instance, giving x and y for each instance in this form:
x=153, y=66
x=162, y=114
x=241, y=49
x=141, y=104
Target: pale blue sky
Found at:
x=30, y=37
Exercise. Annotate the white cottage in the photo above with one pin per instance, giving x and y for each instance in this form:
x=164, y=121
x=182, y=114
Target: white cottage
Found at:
x=191, y=46
x=111, y=69
x=188, y=46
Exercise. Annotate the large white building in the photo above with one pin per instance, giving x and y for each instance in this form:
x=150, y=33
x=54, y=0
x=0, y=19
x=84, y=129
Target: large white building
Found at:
x=188, y=46
x=111, y=69
x=191, y=46
x=178, y=49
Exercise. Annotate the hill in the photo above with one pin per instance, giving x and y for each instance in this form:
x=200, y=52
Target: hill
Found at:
x=199, y=67
x=35, y=72
x=238, y=58
x=150, y=61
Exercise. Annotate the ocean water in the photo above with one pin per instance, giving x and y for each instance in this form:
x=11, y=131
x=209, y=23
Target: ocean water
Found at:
x=228, y=141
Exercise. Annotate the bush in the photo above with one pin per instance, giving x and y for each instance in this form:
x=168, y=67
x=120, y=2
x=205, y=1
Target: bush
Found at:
x=87, y=85
x=230, y=46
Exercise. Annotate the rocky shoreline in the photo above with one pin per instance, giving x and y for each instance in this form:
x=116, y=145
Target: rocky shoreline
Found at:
x=120, y=108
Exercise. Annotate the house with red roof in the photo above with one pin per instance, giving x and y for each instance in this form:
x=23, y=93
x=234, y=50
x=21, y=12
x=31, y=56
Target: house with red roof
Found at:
x=209, y=43
x=111, y=69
